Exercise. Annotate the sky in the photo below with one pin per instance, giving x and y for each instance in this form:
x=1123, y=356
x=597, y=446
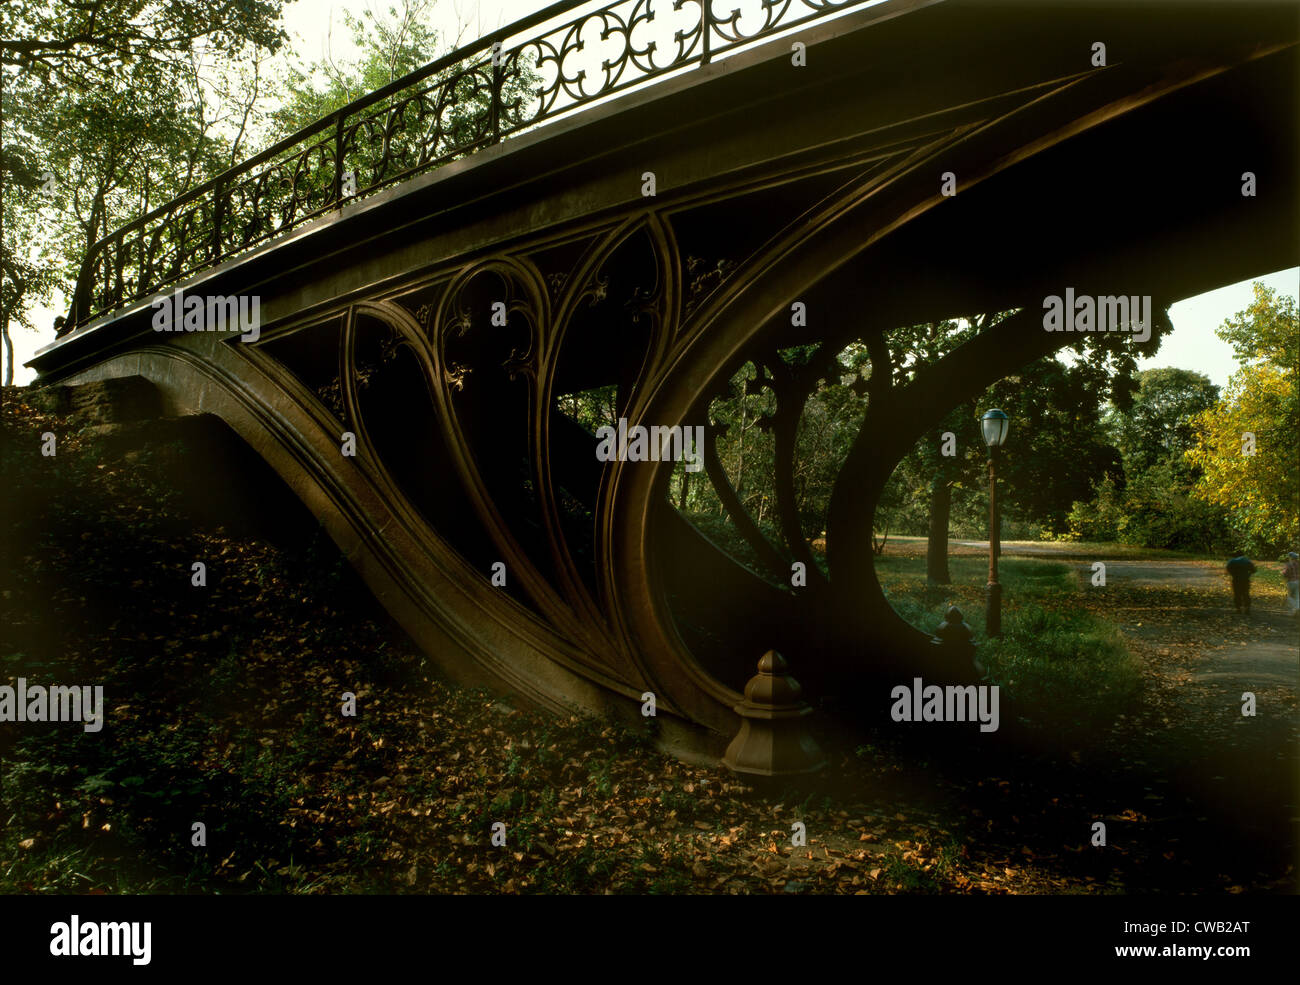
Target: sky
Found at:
x=1193, y=344
x=316, y=26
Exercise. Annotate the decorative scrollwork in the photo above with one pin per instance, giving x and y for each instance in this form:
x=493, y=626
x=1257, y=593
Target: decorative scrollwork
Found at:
x=425, y=126
x=468, y=100
x=455, y=374
x=611, y=48
x=555, y=282
x=704, y=279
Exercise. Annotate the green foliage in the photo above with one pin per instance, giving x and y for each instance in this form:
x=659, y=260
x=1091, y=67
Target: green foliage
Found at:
x=593, y=408
x=390, y=47
x=85, y=44
x=1156, y=509
x=1150, y=504
x=113, y=110
x=827, y=427
x=1098, y=519
x=1161, y=512
x=1188, y=482
x=1259, y=488
x=911, y=876
x=127, y=108
x=1067, y=669
x=1057, y=447
x=1157, y=428
x=1266, y=331
x=27, y=274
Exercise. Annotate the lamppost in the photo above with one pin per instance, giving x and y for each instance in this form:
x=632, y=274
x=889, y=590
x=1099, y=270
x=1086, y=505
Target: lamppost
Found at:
x=995, y=425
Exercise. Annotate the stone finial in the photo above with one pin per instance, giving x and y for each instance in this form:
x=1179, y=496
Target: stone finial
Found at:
x=954, y=629
x=957, y=641
x=773, y=740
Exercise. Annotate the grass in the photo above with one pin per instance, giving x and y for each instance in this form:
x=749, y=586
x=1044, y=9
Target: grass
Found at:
x=1092, y=550
x=909, y=877
x=223, y=708
x=1060, y=663
x=1070, y=668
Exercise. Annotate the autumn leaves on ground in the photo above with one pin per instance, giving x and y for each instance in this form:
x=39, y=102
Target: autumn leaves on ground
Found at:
x=223, y=708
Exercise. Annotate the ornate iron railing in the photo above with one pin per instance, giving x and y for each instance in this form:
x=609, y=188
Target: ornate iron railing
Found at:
x=503, y=83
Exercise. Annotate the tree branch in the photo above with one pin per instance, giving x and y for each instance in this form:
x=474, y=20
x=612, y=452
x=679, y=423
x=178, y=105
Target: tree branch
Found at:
x=745, y=525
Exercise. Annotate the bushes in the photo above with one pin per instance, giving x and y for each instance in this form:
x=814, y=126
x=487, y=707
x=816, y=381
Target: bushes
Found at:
x=1098, y=520
x=1155, y=510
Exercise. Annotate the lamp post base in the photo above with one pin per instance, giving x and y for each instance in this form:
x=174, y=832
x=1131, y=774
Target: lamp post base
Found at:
x=993, y=609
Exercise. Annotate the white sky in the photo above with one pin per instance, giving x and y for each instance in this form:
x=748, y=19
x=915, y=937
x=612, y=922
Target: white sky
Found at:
x=1192, y=345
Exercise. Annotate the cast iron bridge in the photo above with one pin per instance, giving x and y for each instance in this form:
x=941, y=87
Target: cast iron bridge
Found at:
x=445, y=262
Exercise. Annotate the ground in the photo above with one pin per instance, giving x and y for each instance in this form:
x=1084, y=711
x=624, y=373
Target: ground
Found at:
x=224, y=710
x=1208, y=773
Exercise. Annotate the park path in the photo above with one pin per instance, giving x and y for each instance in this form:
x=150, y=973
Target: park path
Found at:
x=1264, y=648
x=1198, y=796
x=1218, y=776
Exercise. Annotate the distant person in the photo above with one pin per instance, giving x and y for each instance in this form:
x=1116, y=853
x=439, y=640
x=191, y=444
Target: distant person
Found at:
x=1291, y=575
x=1240, y=568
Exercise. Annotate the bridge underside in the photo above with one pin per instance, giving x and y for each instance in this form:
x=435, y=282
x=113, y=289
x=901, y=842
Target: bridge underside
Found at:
x=775, y=184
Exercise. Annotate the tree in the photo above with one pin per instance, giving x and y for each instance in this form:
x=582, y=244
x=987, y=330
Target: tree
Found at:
x=896, y=415
x=1149, y=504
x=1059, y=450
x=110, y=105
x=26, y=274
x=789, y=417
x=118, y=150
x=941, y=473
x=1158, y=426
x=1246, y=445
x=82, y=43
x=391, y=47
x=936, y=465
x=1058, y=447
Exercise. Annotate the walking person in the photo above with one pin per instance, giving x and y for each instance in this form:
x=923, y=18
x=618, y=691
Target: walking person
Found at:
x=1240, y=568
x=1291, y=575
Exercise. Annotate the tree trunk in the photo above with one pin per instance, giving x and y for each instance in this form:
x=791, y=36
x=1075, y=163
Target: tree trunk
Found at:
x=4, y=315
x=878, y=543
x=740, y=466
x=860, y=611
x=936, y=555
x=9, y=348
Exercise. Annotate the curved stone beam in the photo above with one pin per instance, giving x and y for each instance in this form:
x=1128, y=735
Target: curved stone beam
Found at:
x=856, y=222
x=452, y=613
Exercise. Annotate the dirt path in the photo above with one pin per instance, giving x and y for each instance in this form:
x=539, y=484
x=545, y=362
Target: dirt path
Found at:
x=1227, y=777
x=1263, y=648
x=1206, y=576
x=1197, y=770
